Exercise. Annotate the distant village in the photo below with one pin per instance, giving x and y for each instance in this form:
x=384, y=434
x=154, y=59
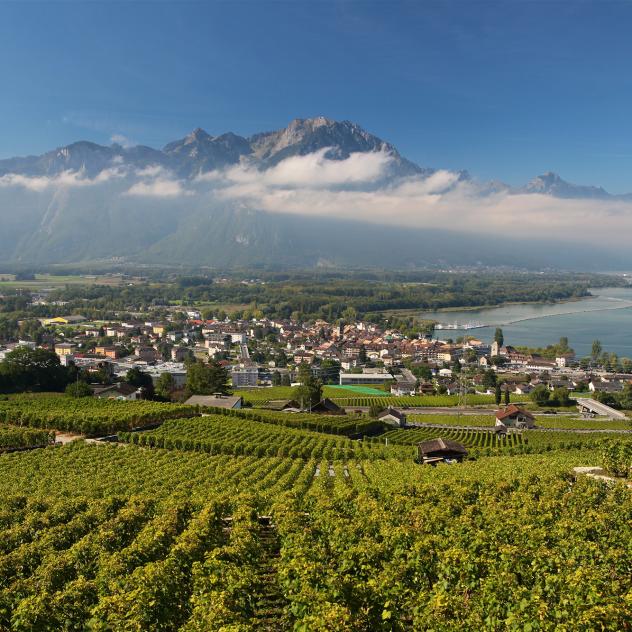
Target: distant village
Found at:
x=259, y=353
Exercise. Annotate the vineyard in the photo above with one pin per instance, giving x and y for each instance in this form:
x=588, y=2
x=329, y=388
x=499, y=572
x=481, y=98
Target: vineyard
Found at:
x=483, y=441
x=263, y=396
x=89, y=416
x=482, y=421
x=470, y=438
x=561, y=422
x=218, y=434
x=415, y=401
x=13, y=437
x=106, y=537
x=346, y=425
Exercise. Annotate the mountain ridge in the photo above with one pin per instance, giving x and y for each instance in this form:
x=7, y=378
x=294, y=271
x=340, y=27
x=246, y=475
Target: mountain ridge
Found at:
x=200, y=152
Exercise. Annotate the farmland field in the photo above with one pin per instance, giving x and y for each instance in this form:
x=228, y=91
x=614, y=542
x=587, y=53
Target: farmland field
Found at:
x=43, y=281
x=224, y=522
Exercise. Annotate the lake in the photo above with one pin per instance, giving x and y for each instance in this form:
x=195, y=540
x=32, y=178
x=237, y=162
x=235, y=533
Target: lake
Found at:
x=606, y=316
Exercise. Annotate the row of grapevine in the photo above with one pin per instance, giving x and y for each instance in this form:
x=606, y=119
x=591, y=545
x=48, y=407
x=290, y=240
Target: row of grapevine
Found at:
x=413, y=401
x=16, y=437
x=346, y=425
x=216, y=434
x=485, y=442
x=470, y=437
x=89, y=416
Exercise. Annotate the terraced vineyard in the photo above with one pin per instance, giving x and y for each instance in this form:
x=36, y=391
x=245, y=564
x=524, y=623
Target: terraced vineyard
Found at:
x=106, y=537
x=483, y=421
x=346, y=425
x=562, y=422
x=414, y=401
x=470, y=438
x=220, y=434
x=89, y=416
x=483, y=442
x=543, y=440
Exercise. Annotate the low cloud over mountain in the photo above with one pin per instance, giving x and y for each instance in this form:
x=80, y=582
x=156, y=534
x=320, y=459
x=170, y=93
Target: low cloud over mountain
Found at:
x=279, y=197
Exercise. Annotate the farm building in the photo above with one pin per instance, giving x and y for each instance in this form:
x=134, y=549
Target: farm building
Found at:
x=514, y=417
x=327, y=407
x=282, y=405
x=393, y=417
x=440, y=450
x=217, y=401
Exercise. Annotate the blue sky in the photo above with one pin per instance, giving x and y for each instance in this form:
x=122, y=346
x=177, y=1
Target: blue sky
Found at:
x=506, y=89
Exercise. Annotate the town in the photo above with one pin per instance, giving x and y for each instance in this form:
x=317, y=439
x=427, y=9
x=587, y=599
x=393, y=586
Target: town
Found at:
x=134, y=358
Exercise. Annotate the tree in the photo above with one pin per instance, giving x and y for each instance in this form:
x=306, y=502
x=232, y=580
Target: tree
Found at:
x=609, y=399
x=375, y=410
x=423, y=372
x=489, y=378
x=626, y=397
x=349, y=315
x=26, y=369
x=560, y=397
x=498, y=360
x=206, y=379
x=276, y=378
x=78, y=389
x=362, y=358
x=507, y=395
x=285, y=380
x=499, y=337
x=141, y=380
x=540, y=395
x=304, y=372
x=165, y=385
x=138, y=378
x=596, y=350
x=497, y=395
x=310, y=392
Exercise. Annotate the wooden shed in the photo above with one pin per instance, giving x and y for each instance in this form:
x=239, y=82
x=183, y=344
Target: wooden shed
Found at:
x=440, y=450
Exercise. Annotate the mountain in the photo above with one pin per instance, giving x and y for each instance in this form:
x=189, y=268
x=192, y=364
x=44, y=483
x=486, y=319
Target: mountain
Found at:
x=89, y=158
x=86, y=202
x=341, y=139
x=550, y=183
x=200, y=152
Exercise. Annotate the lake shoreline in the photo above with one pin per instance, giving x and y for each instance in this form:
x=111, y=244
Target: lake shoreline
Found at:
x=605, y=315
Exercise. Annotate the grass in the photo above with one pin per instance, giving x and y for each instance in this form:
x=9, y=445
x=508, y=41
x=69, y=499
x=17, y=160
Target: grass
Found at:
x=53, y=280
x=363, y=390
x=263, y=395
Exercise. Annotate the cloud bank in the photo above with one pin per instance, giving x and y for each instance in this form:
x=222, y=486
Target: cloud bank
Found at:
x=360, y=188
